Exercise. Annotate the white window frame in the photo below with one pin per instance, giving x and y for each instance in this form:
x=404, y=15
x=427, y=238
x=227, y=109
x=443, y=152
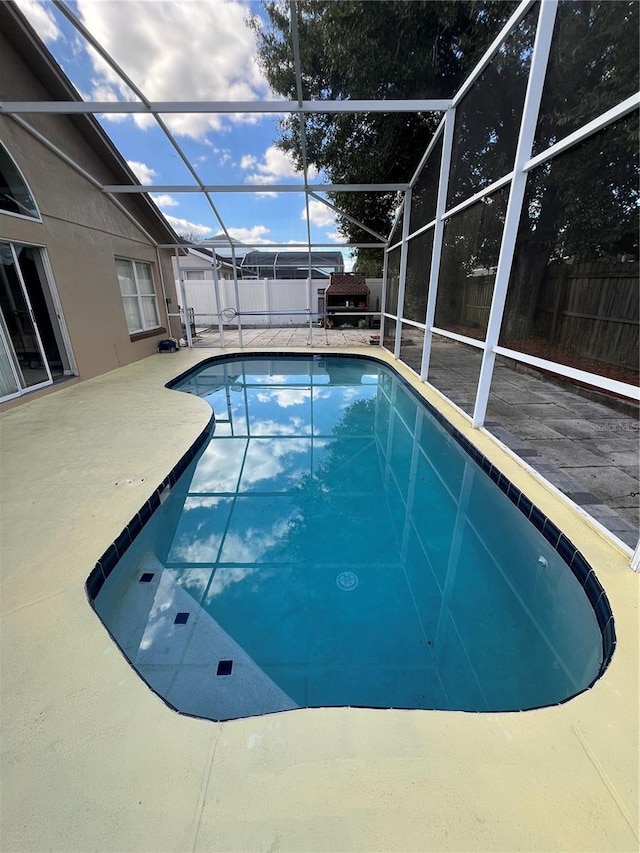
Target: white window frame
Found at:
x=141, y=295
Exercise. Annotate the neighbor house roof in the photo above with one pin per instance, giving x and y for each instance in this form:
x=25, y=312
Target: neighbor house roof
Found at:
x=293, y=259
x=207, y=254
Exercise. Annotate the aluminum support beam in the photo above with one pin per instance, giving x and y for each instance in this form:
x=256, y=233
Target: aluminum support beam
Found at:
x=253, y=188
x=295, y=44
x=539, y=60
x=346, y=216
x=438, y=234
x=239, y=245
x=224, y=107
x=519, y=13
x=95, y=44
x=404, y=251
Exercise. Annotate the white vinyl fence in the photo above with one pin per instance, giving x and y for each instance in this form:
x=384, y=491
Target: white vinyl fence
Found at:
x=262, y=302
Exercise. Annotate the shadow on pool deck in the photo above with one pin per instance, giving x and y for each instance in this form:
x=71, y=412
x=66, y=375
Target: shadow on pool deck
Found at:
x=586, y=448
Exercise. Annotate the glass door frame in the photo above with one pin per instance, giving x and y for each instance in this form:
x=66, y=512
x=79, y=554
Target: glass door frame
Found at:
x=8, y=344
x=5, y=348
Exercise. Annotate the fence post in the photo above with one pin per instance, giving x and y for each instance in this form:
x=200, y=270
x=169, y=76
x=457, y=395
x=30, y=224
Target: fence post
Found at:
x=216, y=290
x=237, y=295
x=183, y=300
x=310, y=307
x=557, y=302
x=267, y=301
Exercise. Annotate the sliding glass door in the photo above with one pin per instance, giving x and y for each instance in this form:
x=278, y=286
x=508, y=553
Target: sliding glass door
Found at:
x=25, y=361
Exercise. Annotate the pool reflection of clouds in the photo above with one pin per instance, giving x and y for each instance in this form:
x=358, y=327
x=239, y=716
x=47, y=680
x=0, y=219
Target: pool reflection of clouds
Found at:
x=293, y=427
x=275, y=379
x=268, y=405
x=267, y=459
x=219, y=466
x=159, y=617
x=226, y=577
x=206, y=502
x=191, y=548
x=200, y=531
x=285, y=397
x=254, y=534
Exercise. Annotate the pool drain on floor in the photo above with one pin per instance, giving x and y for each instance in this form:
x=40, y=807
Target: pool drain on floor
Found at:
x=347, y=581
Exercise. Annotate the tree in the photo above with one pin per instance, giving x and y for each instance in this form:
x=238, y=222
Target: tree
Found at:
x=581, y=206
x=390, y=49
x=370, y=262
x=191, y=236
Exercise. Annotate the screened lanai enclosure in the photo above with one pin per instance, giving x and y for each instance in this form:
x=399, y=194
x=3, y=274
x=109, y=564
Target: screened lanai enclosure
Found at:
x=513, y=257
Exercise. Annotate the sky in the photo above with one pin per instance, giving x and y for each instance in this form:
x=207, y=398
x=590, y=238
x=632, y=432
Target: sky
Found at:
x=195, y=50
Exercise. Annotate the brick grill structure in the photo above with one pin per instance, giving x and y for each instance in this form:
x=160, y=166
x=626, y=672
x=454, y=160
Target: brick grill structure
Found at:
x=347, y=295
x=348, y=284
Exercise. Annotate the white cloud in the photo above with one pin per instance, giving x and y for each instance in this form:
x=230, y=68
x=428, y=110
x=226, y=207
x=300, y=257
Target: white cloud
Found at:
x=275, y=167
x=148, y=41
x=255, y=234
x=165, y=200
x=183, y=226
x=40, y=19
x=145, y=174
x=337, y=236
x=319, y=214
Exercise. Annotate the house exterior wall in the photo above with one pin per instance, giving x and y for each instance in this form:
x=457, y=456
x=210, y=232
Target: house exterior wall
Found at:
x=82, y=231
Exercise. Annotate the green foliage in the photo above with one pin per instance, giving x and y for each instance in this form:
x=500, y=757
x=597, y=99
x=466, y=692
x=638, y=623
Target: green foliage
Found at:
x=370, y=262
x=581, y=206
x=389, y=49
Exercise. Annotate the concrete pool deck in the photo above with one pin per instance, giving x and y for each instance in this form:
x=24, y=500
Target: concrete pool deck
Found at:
x=92, y=760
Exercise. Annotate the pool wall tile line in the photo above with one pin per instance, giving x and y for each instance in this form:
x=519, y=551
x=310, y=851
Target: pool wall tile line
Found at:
x=117, y=549
x=558, y=541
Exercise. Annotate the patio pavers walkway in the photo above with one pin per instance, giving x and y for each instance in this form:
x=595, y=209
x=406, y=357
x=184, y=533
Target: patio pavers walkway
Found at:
x=293, y=336
x=585, y=448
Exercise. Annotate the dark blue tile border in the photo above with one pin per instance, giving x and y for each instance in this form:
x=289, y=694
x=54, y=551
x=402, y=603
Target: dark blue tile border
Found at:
x=117, y=549
x=563, y=546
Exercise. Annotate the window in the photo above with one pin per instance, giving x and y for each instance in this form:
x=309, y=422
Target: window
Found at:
x=138, y=295
x=15, y=195
x=194, y=275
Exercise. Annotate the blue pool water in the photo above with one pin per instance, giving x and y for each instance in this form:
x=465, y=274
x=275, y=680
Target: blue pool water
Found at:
x=332, y=544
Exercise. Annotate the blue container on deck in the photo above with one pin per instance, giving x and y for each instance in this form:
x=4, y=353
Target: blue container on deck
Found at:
x=168, y=345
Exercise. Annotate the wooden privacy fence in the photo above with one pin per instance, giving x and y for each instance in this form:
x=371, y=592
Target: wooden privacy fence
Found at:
x=591, y=309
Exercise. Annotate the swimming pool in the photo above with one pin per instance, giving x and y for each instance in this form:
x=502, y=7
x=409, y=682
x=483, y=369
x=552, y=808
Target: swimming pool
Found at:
x=333, y=541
